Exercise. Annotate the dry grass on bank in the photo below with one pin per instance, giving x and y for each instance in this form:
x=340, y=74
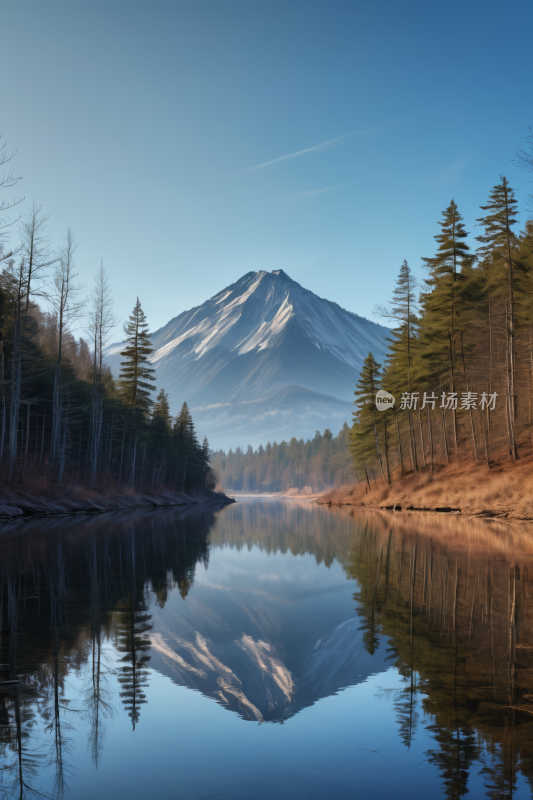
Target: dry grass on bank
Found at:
x=504, y=490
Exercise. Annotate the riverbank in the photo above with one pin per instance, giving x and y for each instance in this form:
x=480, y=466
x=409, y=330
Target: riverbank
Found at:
x=504, y=491
x=78, y=500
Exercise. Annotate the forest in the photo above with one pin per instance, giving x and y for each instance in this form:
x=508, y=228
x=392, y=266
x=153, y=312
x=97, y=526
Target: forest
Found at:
x=460, y=357
x=310, y=466
x=64, y=419
x=459, y=366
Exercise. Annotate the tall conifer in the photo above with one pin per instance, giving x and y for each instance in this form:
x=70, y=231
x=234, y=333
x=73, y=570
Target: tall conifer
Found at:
x=443, y=319
x=402, y=310
x=187, y=445
x=497, y=244
x=366, y=426
x=161, y=423
x=136, y=374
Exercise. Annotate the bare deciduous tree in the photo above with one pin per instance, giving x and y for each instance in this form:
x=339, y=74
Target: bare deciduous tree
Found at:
x=8, y=179
x=36, y=251
x=68, y=306
x=101, y=322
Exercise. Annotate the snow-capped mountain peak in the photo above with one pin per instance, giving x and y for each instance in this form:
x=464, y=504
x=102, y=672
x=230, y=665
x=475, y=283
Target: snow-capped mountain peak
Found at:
x=261, y=335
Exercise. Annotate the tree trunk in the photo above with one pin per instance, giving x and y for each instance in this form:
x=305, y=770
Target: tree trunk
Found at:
x=513, y=452
x=15, y=395
x=454, y=416
x=386, y=448
x=378, y=450
x=470, y=409
x=421, y=437
x=399, y=443
x=63, y=451
x=27, y=442
x=485, y=441
x=185, y=472
x=430, y=445
x=122, y=451
x=56, y=414
x=444, y=437
x=366, y=474
x=110, y=444
x=42, y=440
x=3, y=391
x=132, y=479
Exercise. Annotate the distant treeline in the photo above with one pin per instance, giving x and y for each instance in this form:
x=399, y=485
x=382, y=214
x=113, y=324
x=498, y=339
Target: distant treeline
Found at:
x=460, y=359
x=314, y=465
x=63, y=417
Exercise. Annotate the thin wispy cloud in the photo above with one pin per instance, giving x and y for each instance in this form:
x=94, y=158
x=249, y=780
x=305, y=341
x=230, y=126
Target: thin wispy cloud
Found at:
x=314, y=149
x=322, y=146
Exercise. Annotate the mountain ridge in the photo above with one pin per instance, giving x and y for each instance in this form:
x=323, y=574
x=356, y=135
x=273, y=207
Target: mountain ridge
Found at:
x=279, y=272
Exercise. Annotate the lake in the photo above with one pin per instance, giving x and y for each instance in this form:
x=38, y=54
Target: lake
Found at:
x=271, y=648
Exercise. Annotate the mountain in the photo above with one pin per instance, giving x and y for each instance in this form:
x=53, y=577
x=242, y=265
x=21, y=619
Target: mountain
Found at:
x=263, y=359
x=253, y=677
x=270, y=624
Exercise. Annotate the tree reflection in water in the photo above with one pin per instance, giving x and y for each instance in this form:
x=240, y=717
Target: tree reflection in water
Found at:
x=69, y=587
x=98, y=708
x=461, y=617
x=132, y=625
x=453, y=599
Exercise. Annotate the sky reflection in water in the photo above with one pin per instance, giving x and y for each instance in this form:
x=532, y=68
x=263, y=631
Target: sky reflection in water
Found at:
x=269, y=649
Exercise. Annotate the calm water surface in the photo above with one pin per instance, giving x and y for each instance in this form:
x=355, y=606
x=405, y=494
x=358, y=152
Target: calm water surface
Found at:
x=269, y=649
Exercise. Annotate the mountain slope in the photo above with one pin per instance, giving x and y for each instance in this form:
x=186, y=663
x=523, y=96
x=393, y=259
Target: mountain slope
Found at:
x=263, y=336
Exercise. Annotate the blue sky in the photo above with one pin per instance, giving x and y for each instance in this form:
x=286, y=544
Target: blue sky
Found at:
x=188, y=143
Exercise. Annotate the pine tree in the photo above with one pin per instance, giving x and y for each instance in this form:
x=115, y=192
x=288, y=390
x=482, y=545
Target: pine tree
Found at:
x=161, y=423
x=208, y=477
x=366, y=426
x=187, y=447
x=136, y=376
x=444, y=319
x=497, y=247
x=402, y=346
x=524, y=310
x=453, y=253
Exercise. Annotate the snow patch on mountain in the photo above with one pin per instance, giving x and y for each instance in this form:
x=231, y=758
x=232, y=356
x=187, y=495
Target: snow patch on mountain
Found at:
x=268, y=330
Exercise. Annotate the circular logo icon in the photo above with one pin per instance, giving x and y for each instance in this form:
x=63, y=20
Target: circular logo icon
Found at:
x=384, y=400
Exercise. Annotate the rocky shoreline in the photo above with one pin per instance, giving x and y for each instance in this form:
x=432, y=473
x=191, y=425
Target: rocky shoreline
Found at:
x=19, y=505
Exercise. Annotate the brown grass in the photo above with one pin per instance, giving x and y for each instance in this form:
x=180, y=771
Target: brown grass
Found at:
x=504, y=490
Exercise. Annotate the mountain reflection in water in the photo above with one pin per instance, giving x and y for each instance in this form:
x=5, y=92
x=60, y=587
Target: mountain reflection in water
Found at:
x=267, y=608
